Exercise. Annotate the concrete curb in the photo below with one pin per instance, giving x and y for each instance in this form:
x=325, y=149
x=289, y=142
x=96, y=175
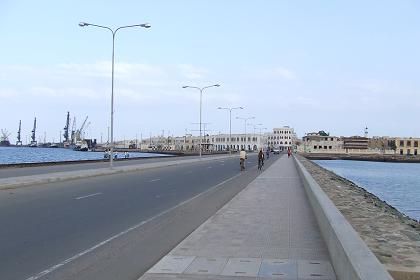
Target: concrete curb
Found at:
x=16, y=182
x=351, y=258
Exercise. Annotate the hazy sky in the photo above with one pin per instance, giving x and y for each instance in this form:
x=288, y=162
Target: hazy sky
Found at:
x=313, y=65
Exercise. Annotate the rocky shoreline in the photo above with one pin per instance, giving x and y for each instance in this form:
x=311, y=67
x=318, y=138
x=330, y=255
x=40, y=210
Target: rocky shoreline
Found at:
x=392, y=236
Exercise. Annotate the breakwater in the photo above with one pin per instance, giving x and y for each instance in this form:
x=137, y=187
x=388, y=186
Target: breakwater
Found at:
x=363, y=157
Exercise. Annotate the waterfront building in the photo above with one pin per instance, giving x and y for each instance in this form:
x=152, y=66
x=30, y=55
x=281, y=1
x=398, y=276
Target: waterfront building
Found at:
x=316, y=142
x=281, y=138
x=406, y=145
x=355, y=143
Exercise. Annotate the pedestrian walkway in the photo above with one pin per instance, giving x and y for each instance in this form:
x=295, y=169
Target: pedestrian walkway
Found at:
x=267, y=231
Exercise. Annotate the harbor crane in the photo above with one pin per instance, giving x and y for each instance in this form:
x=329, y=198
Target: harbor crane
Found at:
x=33, y=137
x=19, y=140
x=79, y=132
x=66, y=129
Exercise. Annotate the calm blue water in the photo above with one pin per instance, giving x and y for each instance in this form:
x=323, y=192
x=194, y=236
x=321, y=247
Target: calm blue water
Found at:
x=396, y=183
x=29, y=155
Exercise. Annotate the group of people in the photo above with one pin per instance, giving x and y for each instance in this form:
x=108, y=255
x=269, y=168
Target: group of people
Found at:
x=261, y=157
x=107, y=154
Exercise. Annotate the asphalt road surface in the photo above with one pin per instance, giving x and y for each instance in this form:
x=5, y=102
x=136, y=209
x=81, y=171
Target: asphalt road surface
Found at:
x=111, y=227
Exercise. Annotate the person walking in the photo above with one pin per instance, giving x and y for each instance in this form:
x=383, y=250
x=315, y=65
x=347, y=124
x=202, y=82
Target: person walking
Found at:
x=289, y=152
x=260, y=159
x=242, y=158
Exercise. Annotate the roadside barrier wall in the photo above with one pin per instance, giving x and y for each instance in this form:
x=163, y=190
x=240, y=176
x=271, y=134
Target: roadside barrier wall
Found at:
x=350, y=256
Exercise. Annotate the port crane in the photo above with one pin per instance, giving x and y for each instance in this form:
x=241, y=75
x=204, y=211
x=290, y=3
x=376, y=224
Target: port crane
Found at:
x=19, y=141
x=79, y=132
x=66, y=129
x=33, y=137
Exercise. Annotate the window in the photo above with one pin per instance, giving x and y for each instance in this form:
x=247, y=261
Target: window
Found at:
x=315, y=147
x=401, y=152
x=320, y=147
x=408, y=143
x=402, y=143
x=408, y=151
x=325, y=147
x=415, y=152
x=330, y=147
x=416, y=144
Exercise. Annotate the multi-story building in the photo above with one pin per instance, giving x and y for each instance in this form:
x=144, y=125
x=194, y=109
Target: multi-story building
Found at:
x=221, y=142
x=281, y=138
x=407, y=146
x=356, y=143
x=315, y=142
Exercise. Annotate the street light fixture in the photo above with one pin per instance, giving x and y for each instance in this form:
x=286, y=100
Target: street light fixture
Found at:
x=201, y=97
x=84, y=24
x=245, y=119
x=230, y=123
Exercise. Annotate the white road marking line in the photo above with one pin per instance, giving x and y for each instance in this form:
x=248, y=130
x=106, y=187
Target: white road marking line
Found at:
x=89, y=195
x=154, y=180
x=209, y=167
x=57, y=266
x=222, y=164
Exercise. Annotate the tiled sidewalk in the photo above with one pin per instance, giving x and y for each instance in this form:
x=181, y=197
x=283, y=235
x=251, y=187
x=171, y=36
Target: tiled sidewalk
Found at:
x=267, y=231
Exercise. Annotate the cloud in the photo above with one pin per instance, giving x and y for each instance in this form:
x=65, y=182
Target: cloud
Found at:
x=191, y=72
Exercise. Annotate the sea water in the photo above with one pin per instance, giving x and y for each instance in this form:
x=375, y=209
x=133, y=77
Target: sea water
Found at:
x=396, y=183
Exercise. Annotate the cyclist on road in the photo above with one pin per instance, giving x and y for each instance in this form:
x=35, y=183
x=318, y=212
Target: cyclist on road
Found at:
x=242, y=158
x=260, y=159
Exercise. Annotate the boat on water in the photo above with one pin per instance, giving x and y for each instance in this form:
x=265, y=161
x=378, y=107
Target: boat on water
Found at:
x=4, y=143
x=81, y=146
x=4, y=138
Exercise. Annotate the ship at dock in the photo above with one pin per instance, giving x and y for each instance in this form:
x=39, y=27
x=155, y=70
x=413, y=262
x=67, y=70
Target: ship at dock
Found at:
x=75, y=139
x=4, y=138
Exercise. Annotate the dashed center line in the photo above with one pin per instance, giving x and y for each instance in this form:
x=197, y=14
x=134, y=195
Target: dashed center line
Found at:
x=154, y=180
x=89, y=195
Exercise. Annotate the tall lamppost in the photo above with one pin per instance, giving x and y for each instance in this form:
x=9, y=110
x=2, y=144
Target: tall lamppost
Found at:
x=254, y=126
x=230, y=123
x=84, y=24
x=245, y=120
x=201, y=98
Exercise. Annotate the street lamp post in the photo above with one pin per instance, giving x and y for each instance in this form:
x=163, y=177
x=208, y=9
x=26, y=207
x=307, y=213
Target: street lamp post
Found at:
x=201, y=97
x=84, y=24
x=255, y=126
x=245, y=119
x=230, y=123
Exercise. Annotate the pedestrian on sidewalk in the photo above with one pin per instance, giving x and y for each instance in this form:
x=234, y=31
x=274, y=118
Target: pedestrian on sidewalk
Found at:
x=242, y=158
x=289, y=152
x=260, y=159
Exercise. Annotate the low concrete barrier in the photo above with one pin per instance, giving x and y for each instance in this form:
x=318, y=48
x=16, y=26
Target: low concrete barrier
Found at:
x=22, y=181
x=351, y=258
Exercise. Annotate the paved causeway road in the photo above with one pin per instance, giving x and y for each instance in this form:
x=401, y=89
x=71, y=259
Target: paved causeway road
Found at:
x=111, y=227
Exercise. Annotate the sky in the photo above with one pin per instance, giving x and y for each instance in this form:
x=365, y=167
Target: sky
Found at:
x=337, y=66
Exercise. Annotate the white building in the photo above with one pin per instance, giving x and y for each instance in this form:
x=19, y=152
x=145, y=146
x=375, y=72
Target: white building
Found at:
x=281, y=138
x=316, y=143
